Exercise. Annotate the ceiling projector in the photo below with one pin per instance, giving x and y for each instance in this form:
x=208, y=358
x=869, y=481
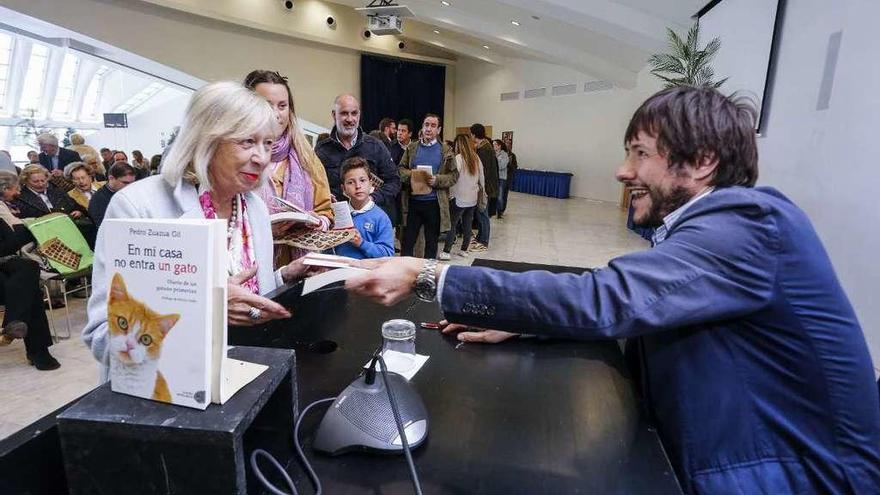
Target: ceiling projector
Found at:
x=384, y=17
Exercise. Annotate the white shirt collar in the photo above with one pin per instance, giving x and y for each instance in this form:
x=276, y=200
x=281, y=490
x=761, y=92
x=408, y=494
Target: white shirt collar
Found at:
x=367, y=207
x=429, y=143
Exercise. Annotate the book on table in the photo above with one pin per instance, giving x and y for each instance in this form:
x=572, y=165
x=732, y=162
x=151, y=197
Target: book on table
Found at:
x=166, y=311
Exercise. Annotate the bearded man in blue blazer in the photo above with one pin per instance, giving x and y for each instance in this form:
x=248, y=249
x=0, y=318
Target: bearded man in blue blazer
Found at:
x=755, y=367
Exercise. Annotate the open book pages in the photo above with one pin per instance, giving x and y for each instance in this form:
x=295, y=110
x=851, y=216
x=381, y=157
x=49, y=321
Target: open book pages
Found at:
x=328, y=260
x=293, y=217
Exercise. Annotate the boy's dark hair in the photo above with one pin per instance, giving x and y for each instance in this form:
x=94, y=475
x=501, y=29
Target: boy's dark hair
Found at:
x=120, y=169
x=690, y=123
x=105, y=149
x=353, y=163
x=478, y=131
x=408, y=123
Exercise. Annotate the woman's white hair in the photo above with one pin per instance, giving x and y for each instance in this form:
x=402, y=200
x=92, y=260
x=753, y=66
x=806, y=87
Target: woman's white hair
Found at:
x=217, y=111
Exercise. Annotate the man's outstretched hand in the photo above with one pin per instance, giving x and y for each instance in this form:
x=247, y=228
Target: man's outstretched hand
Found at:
x=474, y=334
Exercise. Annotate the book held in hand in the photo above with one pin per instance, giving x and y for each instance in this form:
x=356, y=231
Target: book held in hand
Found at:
x=166, y=311
x=292, y=214
x=342, y=215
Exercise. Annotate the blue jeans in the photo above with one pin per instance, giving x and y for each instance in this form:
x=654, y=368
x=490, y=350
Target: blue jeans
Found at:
x=483, y=227
x=502, y=196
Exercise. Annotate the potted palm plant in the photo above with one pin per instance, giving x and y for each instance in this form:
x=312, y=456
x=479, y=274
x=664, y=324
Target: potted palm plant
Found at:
x=687, y=64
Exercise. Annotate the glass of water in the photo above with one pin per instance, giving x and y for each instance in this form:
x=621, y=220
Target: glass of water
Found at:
x=399, y=345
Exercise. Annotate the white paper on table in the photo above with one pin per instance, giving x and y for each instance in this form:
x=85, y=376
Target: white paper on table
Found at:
x=401, y=363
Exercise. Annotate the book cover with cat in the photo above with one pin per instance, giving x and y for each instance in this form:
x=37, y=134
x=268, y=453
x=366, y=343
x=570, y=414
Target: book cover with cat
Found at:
x=166, y=281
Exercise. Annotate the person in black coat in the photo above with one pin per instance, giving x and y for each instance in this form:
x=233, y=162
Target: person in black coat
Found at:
x=39, y=198
x=54, y=158
x=346, y=140
x=119, y=175
x=20, y=285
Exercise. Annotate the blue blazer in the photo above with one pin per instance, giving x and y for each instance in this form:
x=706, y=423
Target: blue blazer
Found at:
x=757, y=371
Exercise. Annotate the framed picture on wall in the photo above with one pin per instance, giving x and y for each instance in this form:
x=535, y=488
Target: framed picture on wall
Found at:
x=507, y=137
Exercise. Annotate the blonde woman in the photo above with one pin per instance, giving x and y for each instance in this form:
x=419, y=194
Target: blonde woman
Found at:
x=213, y=170
x=296, y=173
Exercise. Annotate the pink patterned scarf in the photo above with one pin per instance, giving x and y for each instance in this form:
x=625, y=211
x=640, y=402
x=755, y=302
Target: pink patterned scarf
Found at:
x=239, y=242
x=295, y=186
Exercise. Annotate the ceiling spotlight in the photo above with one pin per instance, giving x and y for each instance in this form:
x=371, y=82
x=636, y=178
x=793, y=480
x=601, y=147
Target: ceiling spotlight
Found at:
x=515, y=23
x=486, y=47
x=436, y=31
x=445, y=3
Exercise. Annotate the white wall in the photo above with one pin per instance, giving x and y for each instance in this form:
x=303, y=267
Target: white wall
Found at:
x=145, y=125
x=825, y=160
x=581, y=133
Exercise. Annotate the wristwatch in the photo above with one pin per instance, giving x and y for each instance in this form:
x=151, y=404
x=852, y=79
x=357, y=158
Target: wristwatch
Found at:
x=425, y=285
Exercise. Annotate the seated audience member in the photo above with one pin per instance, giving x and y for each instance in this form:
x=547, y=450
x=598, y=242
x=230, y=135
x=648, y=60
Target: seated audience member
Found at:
x=33, y=157
x=6, y=162
x=503, y=161
x=375, y=235
x=99, y=173
x=39, y=198
x=140, y=164
x=429, y=210
x=120, y=175
x=78, y=144
x=240, y=127
x=106, y=158
x=120, y=156
x=752, y=359
x=81, y=176
x=155, y=161
x=20, y=291
x=465, y=194
x=346, y=140
x=54, y=158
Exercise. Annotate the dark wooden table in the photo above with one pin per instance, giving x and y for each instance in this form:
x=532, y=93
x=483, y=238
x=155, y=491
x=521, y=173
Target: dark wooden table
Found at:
x=526, y=416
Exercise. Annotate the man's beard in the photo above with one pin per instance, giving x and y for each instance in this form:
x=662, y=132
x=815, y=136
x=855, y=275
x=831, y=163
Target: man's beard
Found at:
x=662, y=205
x=346, y=131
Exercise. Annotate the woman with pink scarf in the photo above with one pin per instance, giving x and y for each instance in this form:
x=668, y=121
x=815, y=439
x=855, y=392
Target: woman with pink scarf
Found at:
x=295, y=174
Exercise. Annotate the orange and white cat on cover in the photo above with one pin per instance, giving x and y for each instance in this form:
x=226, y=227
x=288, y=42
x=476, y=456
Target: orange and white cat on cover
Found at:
x=136, y=335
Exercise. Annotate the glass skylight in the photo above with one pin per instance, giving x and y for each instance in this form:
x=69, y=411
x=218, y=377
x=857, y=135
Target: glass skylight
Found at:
x=34, y=82
x=62, y=109
x=5, y=57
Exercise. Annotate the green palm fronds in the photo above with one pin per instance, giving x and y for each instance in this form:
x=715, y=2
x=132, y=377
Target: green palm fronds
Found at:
x=686, y=64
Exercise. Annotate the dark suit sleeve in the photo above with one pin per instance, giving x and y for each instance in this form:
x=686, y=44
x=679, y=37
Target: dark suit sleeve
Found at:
x=723, y=267
x=387, y=171
x=13, y=238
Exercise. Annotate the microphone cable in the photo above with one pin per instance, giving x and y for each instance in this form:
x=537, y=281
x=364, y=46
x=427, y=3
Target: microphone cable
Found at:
x=299, y=452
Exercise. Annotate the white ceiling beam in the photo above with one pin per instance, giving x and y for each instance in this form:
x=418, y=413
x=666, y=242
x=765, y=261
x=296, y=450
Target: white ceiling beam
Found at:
x=424, y=33
x=542, y=49
x=623, y=24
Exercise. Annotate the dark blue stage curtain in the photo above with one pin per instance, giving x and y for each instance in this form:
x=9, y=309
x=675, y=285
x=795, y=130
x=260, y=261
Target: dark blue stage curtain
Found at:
x=391, y=87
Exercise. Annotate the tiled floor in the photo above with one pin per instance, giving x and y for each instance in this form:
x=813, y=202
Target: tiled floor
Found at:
x=574, y=232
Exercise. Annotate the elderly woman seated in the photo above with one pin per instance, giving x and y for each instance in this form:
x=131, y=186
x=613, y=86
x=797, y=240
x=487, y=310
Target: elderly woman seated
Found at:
x=39, y=197
x=20, y=285
x=211, y=171
x=83, y=180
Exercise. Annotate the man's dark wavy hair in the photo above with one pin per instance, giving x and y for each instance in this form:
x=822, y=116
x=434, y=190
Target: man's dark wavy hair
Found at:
x=690, y=123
